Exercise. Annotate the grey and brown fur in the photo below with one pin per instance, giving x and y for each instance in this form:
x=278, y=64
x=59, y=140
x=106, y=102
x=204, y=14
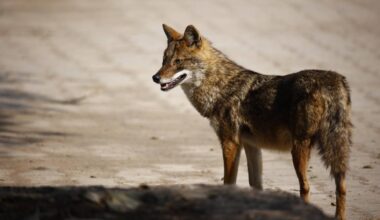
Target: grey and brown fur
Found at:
x=295, y=112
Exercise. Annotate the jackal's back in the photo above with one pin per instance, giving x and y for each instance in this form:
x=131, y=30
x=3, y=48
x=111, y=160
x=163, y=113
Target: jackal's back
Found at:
x=311, y=104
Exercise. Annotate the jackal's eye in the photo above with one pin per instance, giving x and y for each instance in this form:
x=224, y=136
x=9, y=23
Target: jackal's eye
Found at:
x=177, y=61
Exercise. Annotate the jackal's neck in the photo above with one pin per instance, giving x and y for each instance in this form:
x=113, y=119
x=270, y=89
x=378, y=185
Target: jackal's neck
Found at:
x=211, y=81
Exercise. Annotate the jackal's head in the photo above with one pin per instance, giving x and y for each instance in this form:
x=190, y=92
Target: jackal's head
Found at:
x=182, y=62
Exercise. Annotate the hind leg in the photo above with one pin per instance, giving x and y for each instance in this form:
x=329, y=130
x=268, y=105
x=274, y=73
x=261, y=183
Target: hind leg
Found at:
x=301, y=156
x=340, y=196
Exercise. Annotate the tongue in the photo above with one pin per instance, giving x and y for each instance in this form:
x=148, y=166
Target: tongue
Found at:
x=165, y=86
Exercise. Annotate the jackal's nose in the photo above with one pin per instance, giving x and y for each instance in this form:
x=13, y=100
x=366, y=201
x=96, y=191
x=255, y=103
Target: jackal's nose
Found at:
x=156, y=78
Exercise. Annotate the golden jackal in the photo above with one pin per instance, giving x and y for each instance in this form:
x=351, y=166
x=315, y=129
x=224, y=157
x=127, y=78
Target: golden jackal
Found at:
x=293, y=112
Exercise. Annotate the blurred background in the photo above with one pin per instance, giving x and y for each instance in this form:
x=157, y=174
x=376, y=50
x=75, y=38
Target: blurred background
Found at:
x=78, y=105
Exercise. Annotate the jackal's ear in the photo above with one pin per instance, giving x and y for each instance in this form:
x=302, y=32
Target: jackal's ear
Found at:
x=192, y=36
x=171, y=34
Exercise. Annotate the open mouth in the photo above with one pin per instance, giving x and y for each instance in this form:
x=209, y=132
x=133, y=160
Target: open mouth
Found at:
x=173, y=83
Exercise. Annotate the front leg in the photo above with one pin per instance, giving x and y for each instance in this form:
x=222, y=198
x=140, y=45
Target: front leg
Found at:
x=231, y=156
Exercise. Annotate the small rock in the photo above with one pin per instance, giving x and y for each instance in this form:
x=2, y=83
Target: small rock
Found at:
x=144, y=186
x=92, y=176
x=120, y=202
x=96, y=197
x=332, y=204
x=367, y=167
x=154, y=138
x=40, y=168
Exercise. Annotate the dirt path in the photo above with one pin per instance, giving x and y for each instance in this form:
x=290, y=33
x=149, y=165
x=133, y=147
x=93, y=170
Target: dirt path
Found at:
x=78, y=107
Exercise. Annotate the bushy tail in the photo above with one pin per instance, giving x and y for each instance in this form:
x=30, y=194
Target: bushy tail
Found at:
x=336, y=131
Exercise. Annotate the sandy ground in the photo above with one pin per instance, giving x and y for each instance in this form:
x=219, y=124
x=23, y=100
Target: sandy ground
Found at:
x=78, y=106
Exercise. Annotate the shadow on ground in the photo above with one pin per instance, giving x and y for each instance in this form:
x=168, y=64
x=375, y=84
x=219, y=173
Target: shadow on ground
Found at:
x=17, y=106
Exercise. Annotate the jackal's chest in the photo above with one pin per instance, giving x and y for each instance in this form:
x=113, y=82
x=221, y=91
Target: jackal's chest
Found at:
x=203, y=102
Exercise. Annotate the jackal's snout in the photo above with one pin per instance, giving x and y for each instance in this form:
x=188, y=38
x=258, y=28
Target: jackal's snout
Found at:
x=156, y=78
